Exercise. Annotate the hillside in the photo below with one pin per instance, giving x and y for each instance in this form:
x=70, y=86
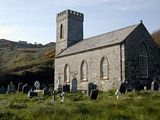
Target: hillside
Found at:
x=26, y=62
x=156, y=37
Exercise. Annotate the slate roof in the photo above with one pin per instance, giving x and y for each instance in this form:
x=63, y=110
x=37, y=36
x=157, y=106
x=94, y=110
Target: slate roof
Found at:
x=102, y=40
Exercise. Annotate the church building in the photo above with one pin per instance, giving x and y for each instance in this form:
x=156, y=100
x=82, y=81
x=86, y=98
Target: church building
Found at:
x=128, y=55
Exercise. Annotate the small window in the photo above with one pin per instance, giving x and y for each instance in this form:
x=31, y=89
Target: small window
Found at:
x=84, y=71
x=104, y=69
x=61, y=32
x=66, y=73
x=143, y=61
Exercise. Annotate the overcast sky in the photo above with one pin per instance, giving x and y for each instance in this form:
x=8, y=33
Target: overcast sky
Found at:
x=35, y=20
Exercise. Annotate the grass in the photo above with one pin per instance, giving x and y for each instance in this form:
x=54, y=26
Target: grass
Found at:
x=131, y=106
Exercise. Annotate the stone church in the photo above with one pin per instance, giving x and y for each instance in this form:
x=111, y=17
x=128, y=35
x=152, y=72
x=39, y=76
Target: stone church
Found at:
x=128, y=55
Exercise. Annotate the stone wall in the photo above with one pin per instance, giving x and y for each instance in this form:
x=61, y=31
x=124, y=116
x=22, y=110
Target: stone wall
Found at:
x=72, y=23
x=131, y=45
x=94, y=57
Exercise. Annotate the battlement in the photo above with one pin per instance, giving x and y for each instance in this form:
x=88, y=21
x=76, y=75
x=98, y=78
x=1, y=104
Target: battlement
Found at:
x=70, y=14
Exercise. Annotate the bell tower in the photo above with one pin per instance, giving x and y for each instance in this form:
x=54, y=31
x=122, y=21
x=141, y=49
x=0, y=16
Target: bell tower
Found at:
x=69, y=29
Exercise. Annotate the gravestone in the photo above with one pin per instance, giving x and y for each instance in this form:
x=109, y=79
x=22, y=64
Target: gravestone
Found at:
x=74, y=86
x=25, y=88
x=53, y=94
x=11, y=88
x=66, y=88
x=51, y=87
x=152, y=86
x=45, y=91
x=122, y=88
x=32, y=94
x=91, y=87
x=117, y=93
x=2, y=90
x=62, y=97
x=60, y=88
x=20, y=85
x=37, y=85
x=94, y=94
x=156, y=86
x=145, y=88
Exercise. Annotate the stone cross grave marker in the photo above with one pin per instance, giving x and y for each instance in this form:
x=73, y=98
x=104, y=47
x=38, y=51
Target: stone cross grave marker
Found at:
x=37, y=85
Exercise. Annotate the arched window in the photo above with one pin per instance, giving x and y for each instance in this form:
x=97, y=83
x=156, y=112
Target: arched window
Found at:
x=61, y=32
x=143, y=61
x=104, y=68
x=66, y=73
x=84, y=71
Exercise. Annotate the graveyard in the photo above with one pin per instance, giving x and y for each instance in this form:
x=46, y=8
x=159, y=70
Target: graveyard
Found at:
x=142, y=105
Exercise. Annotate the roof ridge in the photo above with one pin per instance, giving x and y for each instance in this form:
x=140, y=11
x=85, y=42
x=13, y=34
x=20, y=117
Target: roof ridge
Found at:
x=132, y=27
x=111, y=31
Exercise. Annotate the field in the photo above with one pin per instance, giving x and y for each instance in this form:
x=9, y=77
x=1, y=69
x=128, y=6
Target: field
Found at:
x=131, y=106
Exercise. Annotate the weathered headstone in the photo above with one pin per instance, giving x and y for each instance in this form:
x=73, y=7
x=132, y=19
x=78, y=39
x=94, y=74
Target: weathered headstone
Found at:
x=20, y=85
x=66, y=88
x=122, y=88
x=51, y=87
x=145, y=88
x=37, y=85
x=74, y=86
x=11, y=88
x=60, y=88
x=94, y=94
x=156, y=86
x=2, y=90
x=25, y=88
x=152, y=86
x=91, y=87
x=45, y=91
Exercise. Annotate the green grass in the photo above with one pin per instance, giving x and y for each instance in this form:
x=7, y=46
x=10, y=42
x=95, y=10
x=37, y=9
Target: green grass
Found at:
x=131, y=106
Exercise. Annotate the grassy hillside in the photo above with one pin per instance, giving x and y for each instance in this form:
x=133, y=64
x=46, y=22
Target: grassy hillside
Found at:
x=27, y=64
x=156, y=37
x=131, y=106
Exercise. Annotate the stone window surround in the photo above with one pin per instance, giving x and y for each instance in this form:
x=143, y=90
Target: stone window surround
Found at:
x=143, y=45
x=101, y=77
x=61, y=31
x=84, y=62
x=66, y=81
